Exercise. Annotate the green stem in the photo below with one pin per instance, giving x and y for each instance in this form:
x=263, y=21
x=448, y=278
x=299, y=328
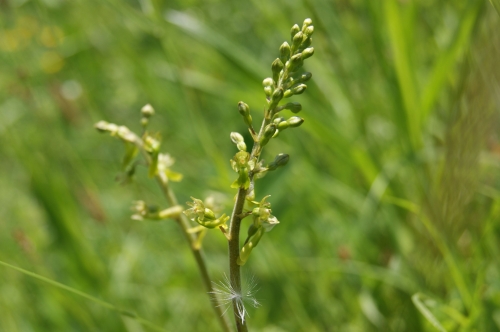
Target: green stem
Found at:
x=234, y=253
x=235, y=223
x=234, y=236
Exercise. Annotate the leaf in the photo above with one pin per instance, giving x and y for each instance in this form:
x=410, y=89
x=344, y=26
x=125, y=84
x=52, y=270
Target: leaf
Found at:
x=131, y=151
x=416, y=299
x=173, y=176
x=496, y=4
x=84, y=295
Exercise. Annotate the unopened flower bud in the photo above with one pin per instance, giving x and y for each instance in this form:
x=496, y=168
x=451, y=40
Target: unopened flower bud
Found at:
x=241, y=146
x=309, y=31
x=297, y=41
x=305, y=44
x=281, y=159
x=276, y=97
x=283, y=125
x=243, y=108
x=295, y=91
x=305, y=77
x=295, y=107
x=102, y=126
x=208, y=215
x=125, y=134
x=294, y=30
x=284, y=52
x=307, y=53
x=307, y=22
x=268, y=82
x=268, y=91
x=147, y=111
x=268, y=133
x=277, y=120
x=249, y=245
x=295, y=121
x=295, y=62
x=276, y=67
x=245, y=112
x=294, y=81
x=237, y=139
x=251, y=231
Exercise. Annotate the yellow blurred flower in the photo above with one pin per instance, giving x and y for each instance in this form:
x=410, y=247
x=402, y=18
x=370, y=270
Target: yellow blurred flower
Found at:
x=51, y=62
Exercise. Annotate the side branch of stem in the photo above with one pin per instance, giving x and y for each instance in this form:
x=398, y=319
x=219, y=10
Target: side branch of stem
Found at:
x=183, y=222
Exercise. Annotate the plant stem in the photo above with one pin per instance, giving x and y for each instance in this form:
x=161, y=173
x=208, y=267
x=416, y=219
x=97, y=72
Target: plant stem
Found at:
x=234, y=235
x=183, y=222
x=234, y=253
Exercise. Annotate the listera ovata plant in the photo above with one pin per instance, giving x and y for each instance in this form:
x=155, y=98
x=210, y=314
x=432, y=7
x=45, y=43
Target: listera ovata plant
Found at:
x=287, y=80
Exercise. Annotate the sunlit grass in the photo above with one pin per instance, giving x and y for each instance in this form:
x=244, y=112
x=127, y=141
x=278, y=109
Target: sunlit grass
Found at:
x=401, y=122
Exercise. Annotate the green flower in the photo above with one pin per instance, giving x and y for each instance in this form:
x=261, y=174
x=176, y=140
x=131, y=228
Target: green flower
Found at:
x=203, y=216
x=262, y=216
x=164, y=164
x=239, y=163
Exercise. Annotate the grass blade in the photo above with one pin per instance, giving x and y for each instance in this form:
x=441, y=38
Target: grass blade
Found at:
x=416, y=299
x=100, y=302
x=404, y=71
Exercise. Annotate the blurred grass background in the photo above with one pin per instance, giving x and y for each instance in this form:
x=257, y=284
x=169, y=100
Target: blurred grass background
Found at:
x=393, y=187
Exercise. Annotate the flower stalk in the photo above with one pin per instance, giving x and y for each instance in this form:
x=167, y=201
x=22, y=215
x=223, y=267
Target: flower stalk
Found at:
x=285, y=83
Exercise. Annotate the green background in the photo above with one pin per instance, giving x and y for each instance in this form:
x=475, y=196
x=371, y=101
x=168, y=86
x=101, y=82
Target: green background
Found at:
x=392, y=188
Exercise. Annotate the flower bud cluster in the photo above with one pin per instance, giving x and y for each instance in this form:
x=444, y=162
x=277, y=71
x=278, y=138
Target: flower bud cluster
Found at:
x=237, y=139
x=147, y=112
x=121, y=132
x=285, y=82
x=283, y=124
x=152, y=212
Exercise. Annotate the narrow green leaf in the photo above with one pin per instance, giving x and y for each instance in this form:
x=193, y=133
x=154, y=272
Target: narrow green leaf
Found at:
x=444, y=65
x=404, y=71
x=496, y=4
x=439, y=240
x=85, y=295
x=416, y=299
x=235, y=52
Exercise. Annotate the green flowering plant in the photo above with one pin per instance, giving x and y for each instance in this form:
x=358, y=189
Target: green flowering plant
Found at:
x=287, y=81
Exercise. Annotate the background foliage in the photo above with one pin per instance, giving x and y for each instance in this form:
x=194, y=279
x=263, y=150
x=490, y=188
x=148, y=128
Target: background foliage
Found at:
x=392, y=187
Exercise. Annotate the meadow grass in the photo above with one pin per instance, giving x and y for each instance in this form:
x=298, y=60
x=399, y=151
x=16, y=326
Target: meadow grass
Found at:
x=389, y=212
